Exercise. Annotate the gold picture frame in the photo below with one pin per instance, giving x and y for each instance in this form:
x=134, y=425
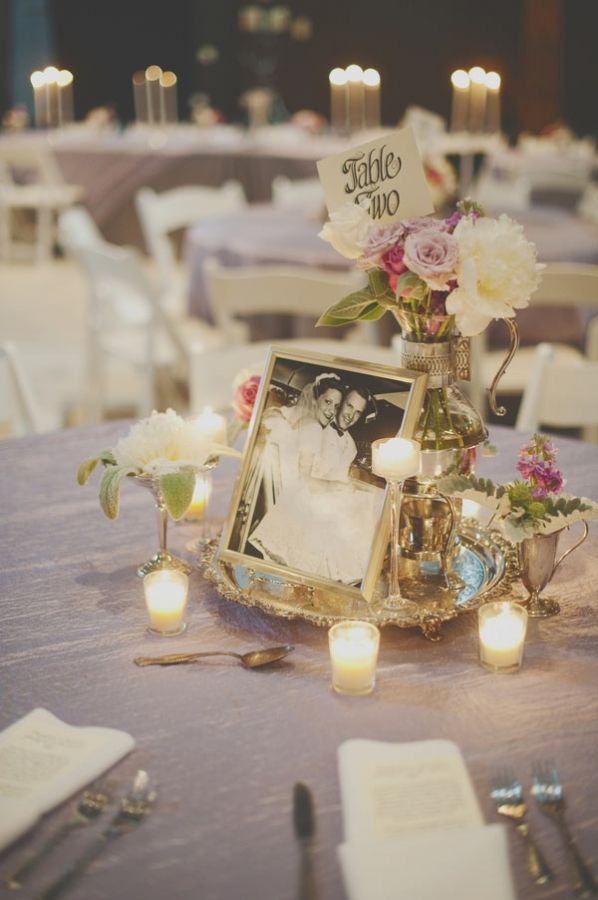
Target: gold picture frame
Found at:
x=304, y=509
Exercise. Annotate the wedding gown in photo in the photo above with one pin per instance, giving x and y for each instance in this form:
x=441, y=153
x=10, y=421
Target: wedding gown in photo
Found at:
x=325, y=522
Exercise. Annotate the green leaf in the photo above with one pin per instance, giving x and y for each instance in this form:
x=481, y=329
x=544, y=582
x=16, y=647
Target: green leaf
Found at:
x=86, y=468
x=348, y=309
x=110, y=488
x=106, y=457
x=373, y=312
x=177, y=490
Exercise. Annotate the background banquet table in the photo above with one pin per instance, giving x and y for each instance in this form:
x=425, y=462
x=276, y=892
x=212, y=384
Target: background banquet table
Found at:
x=225, y=745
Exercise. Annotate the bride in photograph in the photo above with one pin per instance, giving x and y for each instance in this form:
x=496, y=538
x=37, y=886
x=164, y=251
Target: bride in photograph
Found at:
x=323, y=522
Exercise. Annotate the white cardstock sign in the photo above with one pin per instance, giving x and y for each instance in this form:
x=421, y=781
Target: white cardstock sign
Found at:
x=387, y=172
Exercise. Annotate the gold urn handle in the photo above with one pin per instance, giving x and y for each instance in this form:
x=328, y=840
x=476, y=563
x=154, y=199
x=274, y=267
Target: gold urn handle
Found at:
x=514, y=345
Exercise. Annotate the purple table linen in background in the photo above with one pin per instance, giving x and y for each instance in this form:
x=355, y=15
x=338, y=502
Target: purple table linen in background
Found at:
x=225, y=745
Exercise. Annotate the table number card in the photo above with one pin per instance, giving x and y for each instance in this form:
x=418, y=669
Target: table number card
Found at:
x=388, y=173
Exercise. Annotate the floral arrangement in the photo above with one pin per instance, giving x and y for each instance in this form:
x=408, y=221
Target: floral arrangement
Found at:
x=164, y=447
x=434, y=274
x=535, y=505
x=16, y=119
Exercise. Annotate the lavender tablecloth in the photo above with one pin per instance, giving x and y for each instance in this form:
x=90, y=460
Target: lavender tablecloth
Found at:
x=225, y=745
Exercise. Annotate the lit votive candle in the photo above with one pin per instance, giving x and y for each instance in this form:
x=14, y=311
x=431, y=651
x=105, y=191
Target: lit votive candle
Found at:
x=502, y=628
x=353, y=655
x=395, y=459
x=201, y=497
x=166, y=593
x=212, y=425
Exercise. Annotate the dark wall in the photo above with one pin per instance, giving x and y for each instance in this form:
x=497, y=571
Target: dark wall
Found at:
x=414, y=43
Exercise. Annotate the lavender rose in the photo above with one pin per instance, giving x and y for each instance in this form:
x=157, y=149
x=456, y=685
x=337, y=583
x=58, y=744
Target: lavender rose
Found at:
x=433, y=255
x=424, y=223
x=380, y=239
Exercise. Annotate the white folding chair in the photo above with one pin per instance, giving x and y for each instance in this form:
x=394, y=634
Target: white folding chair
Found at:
x=561, y=395
x=563, y=284
x=212, y=372
x=302, y=193
x=277, y=289
x=77, y=228
x=19, y=413
x=44, y=192
x=161, y=214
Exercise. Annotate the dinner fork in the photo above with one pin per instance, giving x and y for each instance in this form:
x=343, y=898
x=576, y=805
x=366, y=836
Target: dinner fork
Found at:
x=507, y=794
x=134, y=807
x=90, y=806
x=549, y=794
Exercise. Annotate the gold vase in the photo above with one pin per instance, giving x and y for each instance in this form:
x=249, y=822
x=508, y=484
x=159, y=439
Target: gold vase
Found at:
x=162, y=558
x=449, y=432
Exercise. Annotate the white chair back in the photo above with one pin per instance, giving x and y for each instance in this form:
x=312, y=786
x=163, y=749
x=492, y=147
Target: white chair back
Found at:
x=302, y=193
x=161, y=214
x=19, y=414
x=122, y=301
x=287, y=290
x=212, y=372
x=588, y=205
x=563, y=284
x=502, y=191
x=561, y=395
x=36, y=159
x=76, y=228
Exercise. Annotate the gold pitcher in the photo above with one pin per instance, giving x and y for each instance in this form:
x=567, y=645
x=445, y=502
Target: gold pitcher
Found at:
x=537, y=565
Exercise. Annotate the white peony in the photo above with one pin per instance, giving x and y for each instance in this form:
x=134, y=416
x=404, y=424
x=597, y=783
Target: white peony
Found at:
x=347, y=229
x=164, y=443
x=497, y=272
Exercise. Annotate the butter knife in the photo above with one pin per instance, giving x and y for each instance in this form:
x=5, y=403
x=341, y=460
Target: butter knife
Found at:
x=134, y=807
x=305, y=829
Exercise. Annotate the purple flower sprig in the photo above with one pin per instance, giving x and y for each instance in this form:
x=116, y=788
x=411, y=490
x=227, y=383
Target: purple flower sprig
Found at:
x=536, y=464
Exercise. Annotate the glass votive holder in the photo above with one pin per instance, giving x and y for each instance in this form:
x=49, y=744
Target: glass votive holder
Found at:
x=353, y=655
x=502, y=627
x=166, y=592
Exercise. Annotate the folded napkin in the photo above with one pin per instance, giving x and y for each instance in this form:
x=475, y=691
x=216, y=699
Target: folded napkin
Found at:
x=413, y=826
x=43, y=761
x=460, y=864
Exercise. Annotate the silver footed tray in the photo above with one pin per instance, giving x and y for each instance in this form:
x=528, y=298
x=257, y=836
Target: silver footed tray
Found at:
x=485, y=566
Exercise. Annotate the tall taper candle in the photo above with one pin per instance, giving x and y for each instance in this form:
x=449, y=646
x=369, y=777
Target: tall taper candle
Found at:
x=152, y=93
x=493, y=102
x=356, y=96
x=168, y=98
x=371, y=85
x=460, y=107
x=477, y=104
x=338, y=99
x=140, y=96
x=38, y=83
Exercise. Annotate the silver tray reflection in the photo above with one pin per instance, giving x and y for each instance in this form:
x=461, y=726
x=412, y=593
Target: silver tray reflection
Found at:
x=485, y=564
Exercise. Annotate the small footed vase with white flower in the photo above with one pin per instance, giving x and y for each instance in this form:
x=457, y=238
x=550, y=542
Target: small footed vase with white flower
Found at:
x=164, y=454
x=444, y=280
x=534, y=513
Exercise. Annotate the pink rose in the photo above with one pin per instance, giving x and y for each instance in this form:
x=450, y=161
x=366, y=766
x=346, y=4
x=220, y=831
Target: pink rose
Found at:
x=380, y=239
x=433, y=255
x=392, y=260
x=244, y=394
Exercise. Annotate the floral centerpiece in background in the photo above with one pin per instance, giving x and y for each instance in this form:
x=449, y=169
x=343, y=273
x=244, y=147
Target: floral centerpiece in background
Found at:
x=440, y=278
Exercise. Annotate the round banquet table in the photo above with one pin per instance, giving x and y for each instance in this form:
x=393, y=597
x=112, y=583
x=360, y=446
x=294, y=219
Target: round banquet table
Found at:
x=225, y=745
x=265, y=234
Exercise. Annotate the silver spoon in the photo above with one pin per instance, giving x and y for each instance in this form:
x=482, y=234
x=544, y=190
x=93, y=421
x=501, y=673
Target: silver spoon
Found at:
x=252, y=660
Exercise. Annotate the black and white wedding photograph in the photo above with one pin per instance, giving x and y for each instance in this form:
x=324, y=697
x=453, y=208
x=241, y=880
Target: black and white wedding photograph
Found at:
x=310, y=501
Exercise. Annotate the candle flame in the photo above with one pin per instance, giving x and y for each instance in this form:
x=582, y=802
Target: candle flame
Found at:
x=64, y=78
x=493, y=81
x=168, y=79
x=371, y=77
x=460, y=79
x=37, y=79
x=477, y=75
x=139, y=77
x=338, y=76
x=153, y=73
x=354, y=72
